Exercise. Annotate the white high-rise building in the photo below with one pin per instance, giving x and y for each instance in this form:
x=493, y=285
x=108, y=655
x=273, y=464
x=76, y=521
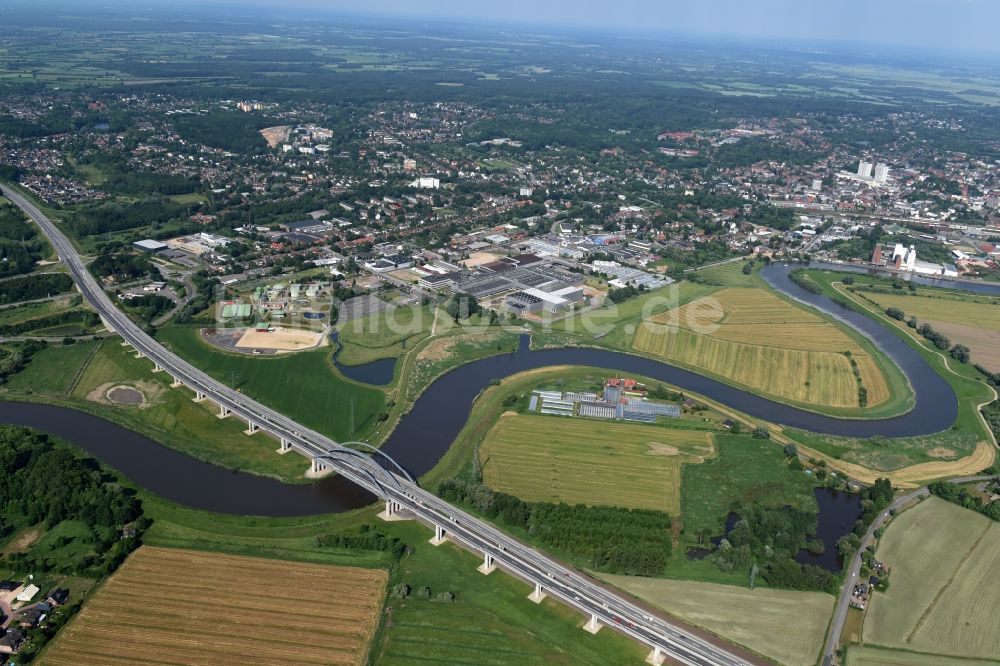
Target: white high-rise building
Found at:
x=881, y=173
x=865, y=169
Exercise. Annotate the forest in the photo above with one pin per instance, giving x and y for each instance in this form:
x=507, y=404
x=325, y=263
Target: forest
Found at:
x=31, y=287
x=43, y=482
x=20, y=246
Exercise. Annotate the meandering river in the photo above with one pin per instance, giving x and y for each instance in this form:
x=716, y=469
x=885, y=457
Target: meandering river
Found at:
x=424, y=434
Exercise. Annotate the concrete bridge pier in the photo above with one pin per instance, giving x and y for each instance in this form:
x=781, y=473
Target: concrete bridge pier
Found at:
x=157, y=367
x=175, y=383
x=488, y=566
x=393, y=512
x=224, y=411
x=656, y=657
x=284, y=446
x=318, y=469
x=251, y=428
x=440, y=536
x=139, y=354
x=593, y=625
x=199, y=396
x=538, y=594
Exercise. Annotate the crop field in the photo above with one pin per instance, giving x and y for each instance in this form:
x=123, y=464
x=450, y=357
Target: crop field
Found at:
x=973, y=322
x=870, y=656
x=754, y=338
x=943, y=597
x=782, y=625
x=167, y=606
x=729, y=274
x=575, y=460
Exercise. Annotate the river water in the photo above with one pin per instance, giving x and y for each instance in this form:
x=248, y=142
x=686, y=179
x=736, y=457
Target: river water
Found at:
x=425, y=433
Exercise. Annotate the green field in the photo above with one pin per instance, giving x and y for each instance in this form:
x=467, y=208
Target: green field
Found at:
x=302, y=386
x=746, y=472
x=53, y=370
x=785, y=626
x=387, y=334
x=729, y=274
x=71, y=376
x=943, y=595
x=588, y=461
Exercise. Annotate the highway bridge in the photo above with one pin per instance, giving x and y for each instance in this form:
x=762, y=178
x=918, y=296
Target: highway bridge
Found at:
x=403, y=497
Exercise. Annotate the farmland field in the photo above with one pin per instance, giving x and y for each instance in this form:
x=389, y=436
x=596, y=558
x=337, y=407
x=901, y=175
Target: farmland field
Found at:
x=180, y=606
x=943, y=597
x=869, y=656
x=756, y=339
x=575, y=460
x=973, y=322
x=785, y=626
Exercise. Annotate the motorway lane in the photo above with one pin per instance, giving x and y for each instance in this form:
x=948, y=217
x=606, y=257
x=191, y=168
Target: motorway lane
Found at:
x=571, y=587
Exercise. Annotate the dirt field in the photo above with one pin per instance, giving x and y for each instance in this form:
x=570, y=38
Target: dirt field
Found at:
x=943, y=596
x=590, y=461
x=275, y=135
x=973, y=324
x=785, y=626
x=479, y=258
x=984, y=343
x=282, y=339
x=757, y=339
x=167, y=606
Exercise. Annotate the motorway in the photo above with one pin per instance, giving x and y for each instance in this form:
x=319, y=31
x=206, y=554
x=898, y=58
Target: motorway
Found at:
x=851, y=576
x=569, y=586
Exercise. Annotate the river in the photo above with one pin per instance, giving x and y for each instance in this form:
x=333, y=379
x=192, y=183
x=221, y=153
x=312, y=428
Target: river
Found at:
x=425, y=433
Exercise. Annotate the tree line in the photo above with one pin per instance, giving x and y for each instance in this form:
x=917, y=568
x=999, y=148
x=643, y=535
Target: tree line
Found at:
x=35, y=286
x=609, y=539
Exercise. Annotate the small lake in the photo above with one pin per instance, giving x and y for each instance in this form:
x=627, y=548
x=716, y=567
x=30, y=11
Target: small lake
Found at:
x=838, y=511
x=376, y=373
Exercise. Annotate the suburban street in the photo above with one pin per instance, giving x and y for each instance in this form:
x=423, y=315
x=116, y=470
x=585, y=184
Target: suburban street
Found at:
x=571, y=587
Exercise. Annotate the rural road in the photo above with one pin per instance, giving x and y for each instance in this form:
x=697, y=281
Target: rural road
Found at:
x=851, y=577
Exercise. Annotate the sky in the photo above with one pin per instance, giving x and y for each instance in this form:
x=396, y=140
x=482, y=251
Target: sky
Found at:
x=959, y=25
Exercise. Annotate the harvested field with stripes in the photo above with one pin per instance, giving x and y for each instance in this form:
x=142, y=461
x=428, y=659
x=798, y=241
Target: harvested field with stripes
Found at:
x=169, y=606
x=943, y=597
x=555, y=459
x=757, y=339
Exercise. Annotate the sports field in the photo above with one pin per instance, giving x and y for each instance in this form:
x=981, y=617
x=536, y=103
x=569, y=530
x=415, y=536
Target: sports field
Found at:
x=943, y=596
x=282, y=339
x=973, y=322
x=785, y=626
x=575, y=460
x=167, y=606
x=756, y=339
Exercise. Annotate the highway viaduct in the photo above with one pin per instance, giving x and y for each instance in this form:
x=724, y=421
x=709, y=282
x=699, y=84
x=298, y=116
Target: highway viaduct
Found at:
x=404, y=499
